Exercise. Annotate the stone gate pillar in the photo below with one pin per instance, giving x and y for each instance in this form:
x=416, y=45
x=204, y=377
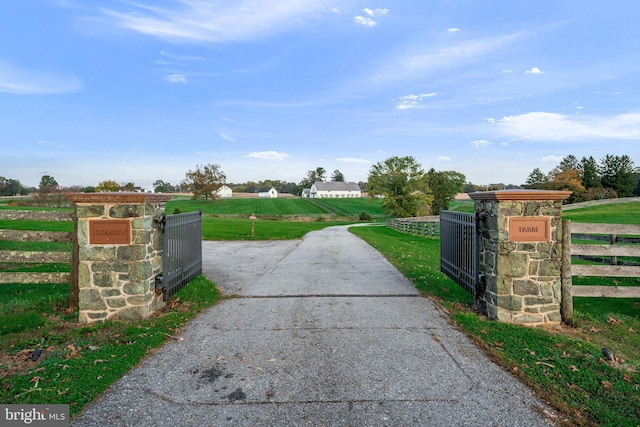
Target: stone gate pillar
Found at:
x=119, y=254
x=520, y=254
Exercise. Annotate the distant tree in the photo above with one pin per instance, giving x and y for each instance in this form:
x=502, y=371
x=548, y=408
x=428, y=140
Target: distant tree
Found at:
x=11, y=187
x=108, y=185
x=588, y=168
x=618, y=173
x=444, y=186
x=536, y=180
x=48, y=181
x=570, y=162
x=317, y=175
x=205, y=181
x=337, y=176
x=636, y=192
x=568, y=180
x=401, y=183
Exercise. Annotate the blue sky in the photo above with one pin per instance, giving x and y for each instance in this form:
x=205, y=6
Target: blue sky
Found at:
x=135, y=91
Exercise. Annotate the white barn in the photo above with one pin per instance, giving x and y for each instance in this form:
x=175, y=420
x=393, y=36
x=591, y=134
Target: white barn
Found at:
x=271, y=193
x=224, y=191
x=335, y=190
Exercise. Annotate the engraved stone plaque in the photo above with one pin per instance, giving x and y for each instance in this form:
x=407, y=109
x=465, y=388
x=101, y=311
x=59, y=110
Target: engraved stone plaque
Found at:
x=109, y=232
x=529, y=229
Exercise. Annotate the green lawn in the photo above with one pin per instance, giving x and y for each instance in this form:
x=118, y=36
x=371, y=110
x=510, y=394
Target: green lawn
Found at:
x=617, y=213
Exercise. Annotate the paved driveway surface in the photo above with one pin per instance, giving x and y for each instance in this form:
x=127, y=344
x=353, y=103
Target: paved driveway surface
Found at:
x=325, y=332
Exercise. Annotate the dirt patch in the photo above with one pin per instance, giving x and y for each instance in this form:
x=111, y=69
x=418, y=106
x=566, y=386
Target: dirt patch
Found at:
x=17, y=364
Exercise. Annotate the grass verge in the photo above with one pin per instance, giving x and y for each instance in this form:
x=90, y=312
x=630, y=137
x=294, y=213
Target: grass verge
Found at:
x=78, y=363
x=563, y=365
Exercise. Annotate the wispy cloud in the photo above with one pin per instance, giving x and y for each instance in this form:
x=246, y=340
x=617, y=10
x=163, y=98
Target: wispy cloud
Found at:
x=205, y=21
x=413, y=101
x=444, y=158
x=24, y=81
x=416, y=62
x=367, y=22
x=352, y=160
x=545, y=127
x=176, y=78
x=551, y=158
x=267, y=155
x=181, y=57
x=480, y=143
x=226, y=137
x=453, y=30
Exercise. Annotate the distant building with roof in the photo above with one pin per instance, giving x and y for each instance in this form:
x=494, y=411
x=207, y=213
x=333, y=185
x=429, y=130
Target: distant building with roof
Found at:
x=334, y=190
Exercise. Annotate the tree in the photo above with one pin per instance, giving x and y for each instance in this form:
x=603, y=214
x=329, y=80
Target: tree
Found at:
x=337, y=176
x=444, y=186
x=319, y=174
x=108, y=185
x=48, y=181
x=205, y=181
x=11, y=187
x=570, y=162
x=568, y=180
x=401, y=183
x=588, y=168
x=618, y=173
x=536, y=180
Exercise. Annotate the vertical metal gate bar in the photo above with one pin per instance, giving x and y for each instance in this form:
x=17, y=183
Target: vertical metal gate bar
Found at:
x=459, y=248
x=182, y=250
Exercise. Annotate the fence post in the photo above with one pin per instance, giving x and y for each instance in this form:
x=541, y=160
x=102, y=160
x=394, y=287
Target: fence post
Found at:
x=566, y=301
x=119, y=254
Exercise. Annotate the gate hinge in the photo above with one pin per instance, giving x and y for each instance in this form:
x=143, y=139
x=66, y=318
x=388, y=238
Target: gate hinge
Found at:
x=161, y=222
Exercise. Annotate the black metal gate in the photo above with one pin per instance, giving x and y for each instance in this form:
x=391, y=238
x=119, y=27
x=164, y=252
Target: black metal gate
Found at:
x=182, y=250
x=459, y=248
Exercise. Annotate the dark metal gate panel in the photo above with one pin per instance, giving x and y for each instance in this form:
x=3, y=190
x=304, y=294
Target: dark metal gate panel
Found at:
x=182, y=252
x=459, y=248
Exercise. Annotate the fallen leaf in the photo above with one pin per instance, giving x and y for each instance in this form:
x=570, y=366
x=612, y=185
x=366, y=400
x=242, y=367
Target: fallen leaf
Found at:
x=607, y=384
x=627, y=378
x=499, y=344
x=271, y=360
x=100, y=361
x=545, y=364
x=594, y=329
x=574, y=368
x=612, y=321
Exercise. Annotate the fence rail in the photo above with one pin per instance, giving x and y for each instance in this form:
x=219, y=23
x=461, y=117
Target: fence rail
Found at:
x=424, y=226
x=30, y=257
x=611, y=251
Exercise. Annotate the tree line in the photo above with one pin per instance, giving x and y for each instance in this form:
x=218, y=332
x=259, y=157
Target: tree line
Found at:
x=610, y=177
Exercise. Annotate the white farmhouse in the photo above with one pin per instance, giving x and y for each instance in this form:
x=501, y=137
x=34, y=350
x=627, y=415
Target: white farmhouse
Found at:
x=268, y=192
x=335, y=190
x=224, y=191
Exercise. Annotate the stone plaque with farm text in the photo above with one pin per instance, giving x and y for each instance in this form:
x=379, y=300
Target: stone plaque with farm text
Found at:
x=530, y=229
x=109, y=232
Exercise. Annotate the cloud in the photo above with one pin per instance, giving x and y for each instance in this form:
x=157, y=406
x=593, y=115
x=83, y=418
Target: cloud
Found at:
x=218, y=21
x=546, y=127
x=534, y=70
x=445, y=158
x=367, y=22
x=412, y=101
x=176, y=78
x=352, y=160
x=226, y=137
x=480, y=143
x=453, y=30
x=24, y=81
x=418, y=61
x=507, y=71
x=551, y=158
x=267, y=155
x=181, y=57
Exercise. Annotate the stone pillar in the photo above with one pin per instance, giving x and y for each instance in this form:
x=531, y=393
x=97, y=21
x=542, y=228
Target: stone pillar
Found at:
x=119, y=254
x=520, y=254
